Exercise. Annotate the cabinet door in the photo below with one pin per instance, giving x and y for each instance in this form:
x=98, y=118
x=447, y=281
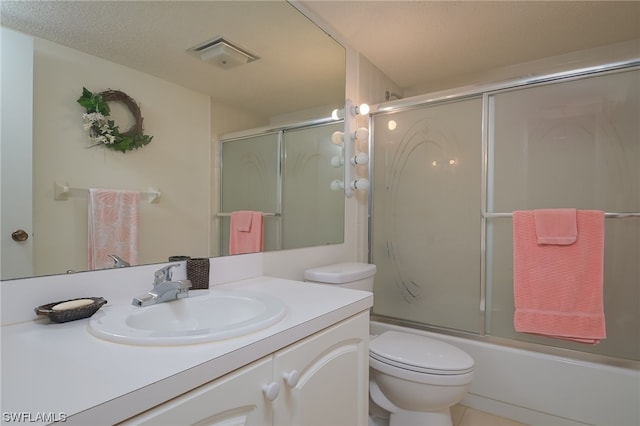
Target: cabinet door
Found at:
x=325, y=377
x=233, y=400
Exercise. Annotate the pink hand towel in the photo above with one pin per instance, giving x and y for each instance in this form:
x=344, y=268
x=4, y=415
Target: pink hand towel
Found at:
x=558, y=288
x=246, y=232
x=556, y=226
x=113, y=226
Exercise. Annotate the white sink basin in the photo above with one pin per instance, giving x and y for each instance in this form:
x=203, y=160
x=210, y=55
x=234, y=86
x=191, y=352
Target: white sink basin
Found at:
x=218, y=315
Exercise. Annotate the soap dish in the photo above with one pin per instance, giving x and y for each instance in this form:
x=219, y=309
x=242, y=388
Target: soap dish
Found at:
x=71, y=310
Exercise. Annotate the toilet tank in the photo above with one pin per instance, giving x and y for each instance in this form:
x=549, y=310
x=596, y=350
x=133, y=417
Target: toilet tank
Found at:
x=357, y=276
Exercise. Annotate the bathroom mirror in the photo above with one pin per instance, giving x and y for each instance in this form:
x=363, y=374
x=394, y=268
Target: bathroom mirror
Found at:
x=299, y=75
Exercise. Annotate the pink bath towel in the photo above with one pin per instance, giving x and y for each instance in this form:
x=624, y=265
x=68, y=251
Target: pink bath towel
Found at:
x=556, y=226
x=113, y=226
x=558, y=288
x=246, y=232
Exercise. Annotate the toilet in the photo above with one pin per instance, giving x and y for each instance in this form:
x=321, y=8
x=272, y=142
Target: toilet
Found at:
x=414, y=378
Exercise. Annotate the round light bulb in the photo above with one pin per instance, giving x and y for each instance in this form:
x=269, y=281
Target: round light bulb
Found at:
x=360, y=159
x=363, y=109
x=336, y=185
x=337, y=137
x=360, y=184
x=337, y=161
x=391, y=125
x=362, y=134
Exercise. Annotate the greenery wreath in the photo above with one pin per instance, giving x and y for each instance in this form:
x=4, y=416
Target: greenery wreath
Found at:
x=103, y=131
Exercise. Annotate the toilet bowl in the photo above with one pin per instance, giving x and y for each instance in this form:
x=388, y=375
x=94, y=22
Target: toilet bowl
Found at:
x=417, y=379
x=414, y=378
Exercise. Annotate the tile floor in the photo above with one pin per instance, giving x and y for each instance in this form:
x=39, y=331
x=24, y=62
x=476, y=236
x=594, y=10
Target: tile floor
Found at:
x=465, y=416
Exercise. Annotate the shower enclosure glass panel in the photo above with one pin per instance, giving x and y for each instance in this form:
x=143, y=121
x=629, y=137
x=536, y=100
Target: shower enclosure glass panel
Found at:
x=312, y=214
x=250, y=181
x=426, y=222
x=570, y=144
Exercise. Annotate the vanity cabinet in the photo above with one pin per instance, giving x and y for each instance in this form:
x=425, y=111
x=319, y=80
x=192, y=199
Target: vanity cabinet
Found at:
x=319, y=380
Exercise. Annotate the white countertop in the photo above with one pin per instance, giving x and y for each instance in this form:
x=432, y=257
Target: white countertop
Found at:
x=61, y=371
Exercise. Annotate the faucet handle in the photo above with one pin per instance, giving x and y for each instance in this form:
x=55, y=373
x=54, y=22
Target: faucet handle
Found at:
x=165, y=274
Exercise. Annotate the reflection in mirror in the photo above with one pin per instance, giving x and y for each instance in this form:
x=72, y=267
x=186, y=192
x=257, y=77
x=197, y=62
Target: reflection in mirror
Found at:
x=185, y=103
x=287, y=176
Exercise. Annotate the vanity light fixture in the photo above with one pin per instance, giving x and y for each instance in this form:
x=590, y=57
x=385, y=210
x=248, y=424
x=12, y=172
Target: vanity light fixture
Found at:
x=337, y=137
x=337, y=185
x=360, y=159
x=337, y=161
x=356, y=184
x=361, y=135
x=361, y=184
x=362, y=109
x=222, y=53
x=351, y=182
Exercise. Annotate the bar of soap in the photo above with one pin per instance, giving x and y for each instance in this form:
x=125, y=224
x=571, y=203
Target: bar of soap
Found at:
x=72, y=304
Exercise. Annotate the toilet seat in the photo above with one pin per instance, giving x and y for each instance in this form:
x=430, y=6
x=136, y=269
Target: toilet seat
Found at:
x=419, y=354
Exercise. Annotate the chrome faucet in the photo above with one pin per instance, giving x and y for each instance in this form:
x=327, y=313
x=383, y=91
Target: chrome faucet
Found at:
x=164, y=288
x=118, y=261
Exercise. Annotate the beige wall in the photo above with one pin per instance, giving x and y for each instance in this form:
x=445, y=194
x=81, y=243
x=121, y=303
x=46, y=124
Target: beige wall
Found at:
x=176, y=162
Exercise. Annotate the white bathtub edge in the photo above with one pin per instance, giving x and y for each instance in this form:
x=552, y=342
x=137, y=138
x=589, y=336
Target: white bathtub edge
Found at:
x=541, y=389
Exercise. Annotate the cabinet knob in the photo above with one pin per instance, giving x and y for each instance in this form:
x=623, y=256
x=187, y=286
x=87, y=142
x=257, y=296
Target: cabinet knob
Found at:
x=291, y=378
x=271, y=390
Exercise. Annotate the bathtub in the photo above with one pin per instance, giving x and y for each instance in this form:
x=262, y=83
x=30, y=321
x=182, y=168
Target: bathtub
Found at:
x=542, y=389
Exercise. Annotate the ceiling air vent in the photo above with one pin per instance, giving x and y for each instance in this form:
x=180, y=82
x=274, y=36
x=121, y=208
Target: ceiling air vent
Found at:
x=222, y=53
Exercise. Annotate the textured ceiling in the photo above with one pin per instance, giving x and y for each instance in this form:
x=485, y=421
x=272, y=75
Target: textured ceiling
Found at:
x=417, y=43
x=300, y=66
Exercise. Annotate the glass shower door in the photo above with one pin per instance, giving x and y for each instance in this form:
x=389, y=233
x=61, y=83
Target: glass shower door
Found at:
x=426, y=223
x=250, y=181
x=312, y=213
x=572, y=144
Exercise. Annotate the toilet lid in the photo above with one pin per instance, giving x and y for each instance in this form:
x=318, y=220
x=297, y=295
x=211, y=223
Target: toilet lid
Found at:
x=419, y=353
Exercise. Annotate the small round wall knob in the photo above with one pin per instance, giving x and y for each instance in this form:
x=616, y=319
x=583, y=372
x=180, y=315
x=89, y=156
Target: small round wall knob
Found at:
x=271, y=390
x=19, y=235
x=291, y=378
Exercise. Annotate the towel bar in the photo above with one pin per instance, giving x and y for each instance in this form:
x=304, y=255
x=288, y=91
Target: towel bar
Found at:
x=224, y=214
x=62, y=193
x=620, y=215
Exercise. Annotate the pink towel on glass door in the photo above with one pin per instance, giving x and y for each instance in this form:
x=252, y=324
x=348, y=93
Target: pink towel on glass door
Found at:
x=113, y=226
x=558, y=289
x=245, y=232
